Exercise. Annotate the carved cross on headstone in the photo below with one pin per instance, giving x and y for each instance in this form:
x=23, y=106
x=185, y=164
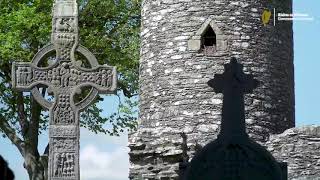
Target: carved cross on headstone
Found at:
x=64, y=79
x=233, y=83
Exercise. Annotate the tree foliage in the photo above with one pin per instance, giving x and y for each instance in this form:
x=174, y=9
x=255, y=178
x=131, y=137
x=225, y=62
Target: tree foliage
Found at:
x=108, y=28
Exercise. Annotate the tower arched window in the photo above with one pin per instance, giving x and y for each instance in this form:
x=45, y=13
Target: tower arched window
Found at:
x=209, y=41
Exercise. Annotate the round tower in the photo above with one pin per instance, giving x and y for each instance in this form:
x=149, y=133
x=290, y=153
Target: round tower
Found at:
x=184, y=43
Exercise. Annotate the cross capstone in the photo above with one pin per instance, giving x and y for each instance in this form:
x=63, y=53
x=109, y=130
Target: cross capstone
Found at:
x=233, y=83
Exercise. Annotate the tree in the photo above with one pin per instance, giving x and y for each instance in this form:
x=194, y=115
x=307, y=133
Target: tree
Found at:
x=110, y=29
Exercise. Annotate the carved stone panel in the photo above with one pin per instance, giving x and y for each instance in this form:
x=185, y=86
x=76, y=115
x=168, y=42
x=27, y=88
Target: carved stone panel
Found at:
x=64, y=164
x=24, y=75
x=63, y=113
x=64, y=25
x=39, y=75
x=63, y=131
x=64, y=144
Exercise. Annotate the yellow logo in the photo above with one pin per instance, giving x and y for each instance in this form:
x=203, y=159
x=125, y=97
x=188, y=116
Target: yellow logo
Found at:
x=266, y=17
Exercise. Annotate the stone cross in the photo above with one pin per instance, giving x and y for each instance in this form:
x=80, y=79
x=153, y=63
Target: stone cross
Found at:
x=233, y=155
x=233, y=83
x=64, y=79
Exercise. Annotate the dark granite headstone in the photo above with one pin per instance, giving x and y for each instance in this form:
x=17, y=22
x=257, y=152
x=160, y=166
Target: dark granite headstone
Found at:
x=233, y=155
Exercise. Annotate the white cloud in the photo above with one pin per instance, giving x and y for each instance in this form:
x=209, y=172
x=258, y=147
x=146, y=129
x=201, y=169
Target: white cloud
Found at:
x=101, y=165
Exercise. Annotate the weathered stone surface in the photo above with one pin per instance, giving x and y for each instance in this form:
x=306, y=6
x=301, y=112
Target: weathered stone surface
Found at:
x=300, y=148
x=184, y=100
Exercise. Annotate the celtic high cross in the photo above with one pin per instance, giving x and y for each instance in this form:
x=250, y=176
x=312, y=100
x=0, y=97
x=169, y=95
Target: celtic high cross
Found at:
x=64, y=79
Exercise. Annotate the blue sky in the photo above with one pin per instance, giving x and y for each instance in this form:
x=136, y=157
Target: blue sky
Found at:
x=104, y=157
x=307, y=63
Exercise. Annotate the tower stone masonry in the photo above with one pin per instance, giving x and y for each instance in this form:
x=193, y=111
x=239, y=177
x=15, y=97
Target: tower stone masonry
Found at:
x=183, y=44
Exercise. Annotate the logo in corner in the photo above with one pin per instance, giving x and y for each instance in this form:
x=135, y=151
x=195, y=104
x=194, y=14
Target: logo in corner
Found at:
x=266, y=16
